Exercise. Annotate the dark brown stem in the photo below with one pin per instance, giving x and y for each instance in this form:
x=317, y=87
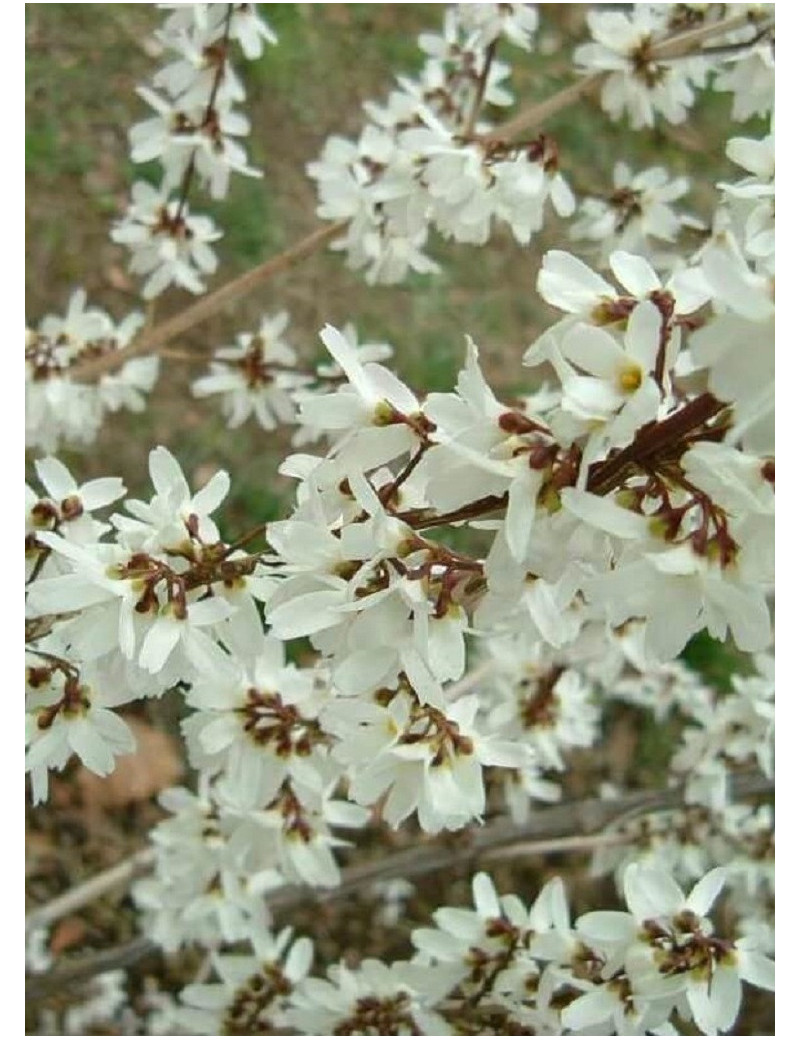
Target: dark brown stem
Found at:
x=653, y=439
x=388, y=493
x=248, y=536
x=44, y=554
x=219, y=75
x=421, y=519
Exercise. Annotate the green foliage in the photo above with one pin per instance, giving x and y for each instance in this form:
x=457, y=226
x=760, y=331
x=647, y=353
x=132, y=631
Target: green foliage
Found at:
x=716, y=661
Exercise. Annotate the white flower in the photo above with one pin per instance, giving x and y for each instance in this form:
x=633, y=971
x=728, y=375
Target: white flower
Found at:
x=426, y=760
x=374, y=999
x=666, y=939
x=253, y=990
x=68, y=717
x=638, y=210
x=751, y=78
x=173, y=515
x=678, y=592
x=56, y=408
x=255, y=377
x=619, y=380
x=179, y=134
x=102, y=584
x=175, y=637
x=516, y=21
x=376, y=412
x=166, y=241
x=69, y=506
x=257, y=723
x=251, y=30
x=638, y=83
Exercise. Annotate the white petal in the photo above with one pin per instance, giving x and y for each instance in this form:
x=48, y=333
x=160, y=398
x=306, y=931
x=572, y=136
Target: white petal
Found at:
x=211, y=495
x=166, y=474
x=483, y=891
x=101, y=492
x=56, y=478
x=604, y=514
x=702, y=896
x=159, y=643
x=634, y=273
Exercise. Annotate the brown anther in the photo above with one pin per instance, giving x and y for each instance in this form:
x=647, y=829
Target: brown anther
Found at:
x=71, y=508
x=610, y=310
x=44, y=513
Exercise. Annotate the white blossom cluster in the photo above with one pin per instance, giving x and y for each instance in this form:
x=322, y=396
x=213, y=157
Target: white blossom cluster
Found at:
x=645, y=76
x=261, y=376
x=426, y=159
x=503, y=969
x=737, y=263
x=130, y=614
x=636, y=216
x=596, y=528
x=621, y=506
x=194, y=133
x=57, y=408
x=720, y=735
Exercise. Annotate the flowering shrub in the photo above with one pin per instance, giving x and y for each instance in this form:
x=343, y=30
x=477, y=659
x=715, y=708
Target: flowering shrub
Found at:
x=466, y=583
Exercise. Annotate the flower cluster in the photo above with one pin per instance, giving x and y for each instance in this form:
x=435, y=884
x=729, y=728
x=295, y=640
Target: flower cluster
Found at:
x=465, y=580
x=128, y=616
x=506, y=969
x=193, y=134
x=427, y=159
x=57, y=408
x=634, y=52
x=636, y=216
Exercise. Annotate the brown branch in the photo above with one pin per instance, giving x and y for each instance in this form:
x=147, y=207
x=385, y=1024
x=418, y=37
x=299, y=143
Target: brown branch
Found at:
x=480, y=89
x=219, y=75
x=531, y=118
x=97, y=886
x=150, y=341
x=653, y=438
x=683, y=43
x=421, y=519
x=568, y=826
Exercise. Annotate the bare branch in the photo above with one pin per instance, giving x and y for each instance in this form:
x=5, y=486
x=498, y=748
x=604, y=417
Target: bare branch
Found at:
x=97, y=886
x=150, y=341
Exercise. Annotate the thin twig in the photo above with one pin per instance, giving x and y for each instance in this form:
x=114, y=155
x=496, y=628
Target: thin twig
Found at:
x=480, y=89
x=219, y=75
x=678, y=46
x=85, y=893
x=150, y=341
x=533, y=117
x=573, y=843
